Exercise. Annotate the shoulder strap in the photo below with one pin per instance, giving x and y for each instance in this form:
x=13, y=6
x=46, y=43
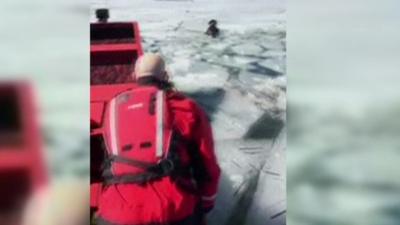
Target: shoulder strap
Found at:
x=160, y=104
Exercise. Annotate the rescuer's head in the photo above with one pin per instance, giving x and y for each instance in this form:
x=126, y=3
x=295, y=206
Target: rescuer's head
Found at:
x=150, y=66
x=150, y=70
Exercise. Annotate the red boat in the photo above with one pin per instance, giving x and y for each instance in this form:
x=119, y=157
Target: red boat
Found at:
x=114, y=49
x=22, y=169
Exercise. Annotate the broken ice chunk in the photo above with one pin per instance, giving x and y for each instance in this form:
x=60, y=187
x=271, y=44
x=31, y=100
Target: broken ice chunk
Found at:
x=247, y=49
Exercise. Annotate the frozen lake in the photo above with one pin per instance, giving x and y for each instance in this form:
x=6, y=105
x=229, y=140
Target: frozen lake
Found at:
x=240, y=80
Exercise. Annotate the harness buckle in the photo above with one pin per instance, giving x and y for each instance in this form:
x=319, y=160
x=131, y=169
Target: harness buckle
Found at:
x=167, y=166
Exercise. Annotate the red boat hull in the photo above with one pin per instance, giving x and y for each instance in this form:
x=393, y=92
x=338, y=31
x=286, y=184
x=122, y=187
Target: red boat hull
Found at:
x=114, y=49
x=22, y=169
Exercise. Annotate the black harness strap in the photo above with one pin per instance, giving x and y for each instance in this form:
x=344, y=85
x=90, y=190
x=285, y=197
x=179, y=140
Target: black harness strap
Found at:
x=163, y=168
x=170, y=166
x=131, y=162
x=132, y=179
x=107, y=172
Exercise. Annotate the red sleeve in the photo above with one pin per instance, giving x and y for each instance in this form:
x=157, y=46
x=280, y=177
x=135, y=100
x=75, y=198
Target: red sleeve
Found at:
x=203, y=137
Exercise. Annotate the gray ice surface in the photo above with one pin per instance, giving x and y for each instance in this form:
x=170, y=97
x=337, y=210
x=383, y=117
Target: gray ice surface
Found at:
x=343, y=126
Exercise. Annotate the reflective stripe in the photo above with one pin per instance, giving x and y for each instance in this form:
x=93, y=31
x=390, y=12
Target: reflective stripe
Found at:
x=209, y=198
x=113, y=127
x=159, y=122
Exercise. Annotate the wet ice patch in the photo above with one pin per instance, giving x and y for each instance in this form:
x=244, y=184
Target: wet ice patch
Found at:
x=235, y=115
x=277, y=64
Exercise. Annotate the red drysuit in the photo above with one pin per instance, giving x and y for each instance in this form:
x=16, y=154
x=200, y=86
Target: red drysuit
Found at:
x=164, y=201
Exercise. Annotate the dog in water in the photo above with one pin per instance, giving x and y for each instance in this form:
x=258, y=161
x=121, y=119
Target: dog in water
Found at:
x=212, y=30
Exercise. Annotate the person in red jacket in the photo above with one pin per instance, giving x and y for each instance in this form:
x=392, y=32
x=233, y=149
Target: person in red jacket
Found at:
x=182, y=198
